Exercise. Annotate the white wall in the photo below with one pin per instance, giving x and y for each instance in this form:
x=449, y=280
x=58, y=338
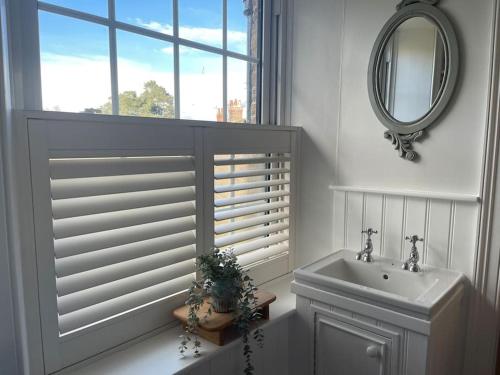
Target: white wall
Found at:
x=344, y=143
x=452, y=154
x=315, y=103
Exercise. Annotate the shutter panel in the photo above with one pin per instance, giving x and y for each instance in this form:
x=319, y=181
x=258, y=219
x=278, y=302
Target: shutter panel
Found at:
x=251, y=206
x=120, y=211
x=124, y=234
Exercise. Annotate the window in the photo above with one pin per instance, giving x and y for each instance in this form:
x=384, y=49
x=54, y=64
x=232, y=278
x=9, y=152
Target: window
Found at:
x=187, y=59
x=121, y=206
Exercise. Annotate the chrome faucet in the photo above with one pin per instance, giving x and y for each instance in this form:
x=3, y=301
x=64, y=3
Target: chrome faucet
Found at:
x=366, y=254
x=412, y=263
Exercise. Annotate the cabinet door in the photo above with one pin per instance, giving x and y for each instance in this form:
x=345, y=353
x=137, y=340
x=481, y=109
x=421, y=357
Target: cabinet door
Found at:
x=342, y=348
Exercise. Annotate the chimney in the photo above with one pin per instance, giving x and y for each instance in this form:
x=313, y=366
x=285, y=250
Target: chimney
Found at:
x=235, y=110
x=220, y=115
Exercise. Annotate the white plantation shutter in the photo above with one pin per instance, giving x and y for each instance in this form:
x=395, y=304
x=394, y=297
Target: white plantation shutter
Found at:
x=252, y=205
x=121, y=208
x=124, y=234
x=116, y=218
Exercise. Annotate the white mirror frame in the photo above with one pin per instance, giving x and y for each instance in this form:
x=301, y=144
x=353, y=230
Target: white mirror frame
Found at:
x=403, y=134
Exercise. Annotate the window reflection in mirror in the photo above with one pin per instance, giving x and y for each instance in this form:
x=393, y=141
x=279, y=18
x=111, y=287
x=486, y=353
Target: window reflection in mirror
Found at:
x=412, y=70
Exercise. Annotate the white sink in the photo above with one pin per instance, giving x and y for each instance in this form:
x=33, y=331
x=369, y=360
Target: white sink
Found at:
x=381, y=282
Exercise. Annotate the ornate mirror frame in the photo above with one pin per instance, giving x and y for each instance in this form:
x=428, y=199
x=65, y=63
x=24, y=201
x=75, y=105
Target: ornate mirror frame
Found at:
x=403, y=134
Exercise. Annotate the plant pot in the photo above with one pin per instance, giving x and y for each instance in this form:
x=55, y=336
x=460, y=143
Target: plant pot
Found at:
x=224, y=299
x=221, y=305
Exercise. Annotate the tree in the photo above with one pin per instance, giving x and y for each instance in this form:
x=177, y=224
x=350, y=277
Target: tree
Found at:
x=154, y=101
x=92, y=110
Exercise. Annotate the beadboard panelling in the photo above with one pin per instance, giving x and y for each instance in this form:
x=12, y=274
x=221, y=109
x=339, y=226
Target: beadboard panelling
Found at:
x=449, y=227
x=354, y=219
x=438, y=233
x=373, y=217
x=465, y=227
x=392, y=233
x=339, y=231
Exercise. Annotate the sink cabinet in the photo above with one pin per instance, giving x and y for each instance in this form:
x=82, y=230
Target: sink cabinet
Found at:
x=336, y=332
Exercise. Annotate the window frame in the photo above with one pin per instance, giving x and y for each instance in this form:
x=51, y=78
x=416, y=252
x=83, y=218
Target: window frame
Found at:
x=112, y=25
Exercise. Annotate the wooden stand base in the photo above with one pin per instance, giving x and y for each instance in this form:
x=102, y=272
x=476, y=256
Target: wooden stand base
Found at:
x=218, y=327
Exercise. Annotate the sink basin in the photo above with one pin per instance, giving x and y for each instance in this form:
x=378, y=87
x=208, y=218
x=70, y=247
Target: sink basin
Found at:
x=381, y=282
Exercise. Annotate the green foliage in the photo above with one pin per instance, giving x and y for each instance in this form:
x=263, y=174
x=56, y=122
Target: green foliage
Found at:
x=221, y=268
x=195, y=300
x=154, y=101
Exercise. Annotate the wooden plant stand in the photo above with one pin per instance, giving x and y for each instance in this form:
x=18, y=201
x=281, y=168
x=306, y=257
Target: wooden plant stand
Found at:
x=218, y=327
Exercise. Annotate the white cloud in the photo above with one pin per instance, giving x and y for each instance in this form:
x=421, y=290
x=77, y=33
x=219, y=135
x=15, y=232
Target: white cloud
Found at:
x=168, y=50
x=156, y=26
x=199, y=34
x=71, y=83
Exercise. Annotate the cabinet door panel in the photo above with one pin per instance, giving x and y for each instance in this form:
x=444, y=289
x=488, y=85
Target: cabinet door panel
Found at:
x=343, y=348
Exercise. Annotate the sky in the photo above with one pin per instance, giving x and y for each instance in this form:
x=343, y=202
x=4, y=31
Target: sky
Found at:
x=75, y=54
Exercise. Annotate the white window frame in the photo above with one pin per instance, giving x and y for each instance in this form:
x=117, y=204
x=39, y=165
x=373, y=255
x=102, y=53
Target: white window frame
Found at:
x=9, y=358
x=269, y=63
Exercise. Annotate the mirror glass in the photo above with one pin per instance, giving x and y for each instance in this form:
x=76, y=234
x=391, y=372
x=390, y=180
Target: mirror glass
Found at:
x=412, y=70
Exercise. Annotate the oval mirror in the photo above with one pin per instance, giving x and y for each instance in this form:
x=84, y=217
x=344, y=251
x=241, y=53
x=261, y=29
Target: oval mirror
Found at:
x=413, y=71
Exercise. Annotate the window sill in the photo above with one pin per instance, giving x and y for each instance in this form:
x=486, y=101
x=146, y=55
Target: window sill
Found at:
x=159, y=353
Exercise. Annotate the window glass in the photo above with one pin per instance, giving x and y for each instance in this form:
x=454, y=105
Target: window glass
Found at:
x=95, y=7
x=243, y=18
x=145, y=76
x=241, y=91
x=156, y=15
x=201, y=21
x=200, y=84
x=74, y=64
x=77, y=59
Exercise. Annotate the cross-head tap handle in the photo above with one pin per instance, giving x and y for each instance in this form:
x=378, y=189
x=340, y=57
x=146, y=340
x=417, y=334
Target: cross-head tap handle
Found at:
x=369, y=232
x=414, y=239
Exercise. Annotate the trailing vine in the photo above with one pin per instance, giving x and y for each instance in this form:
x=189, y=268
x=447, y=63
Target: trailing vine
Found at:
x=224, y=278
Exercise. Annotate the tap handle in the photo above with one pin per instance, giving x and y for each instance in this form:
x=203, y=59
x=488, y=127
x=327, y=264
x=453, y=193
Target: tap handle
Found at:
x=369, y=232
x=413, y=239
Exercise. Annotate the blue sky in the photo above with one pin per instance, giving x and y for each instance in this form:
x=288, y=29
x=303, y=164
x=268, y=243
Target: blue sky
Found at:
x=83, y=38
x=75, y=53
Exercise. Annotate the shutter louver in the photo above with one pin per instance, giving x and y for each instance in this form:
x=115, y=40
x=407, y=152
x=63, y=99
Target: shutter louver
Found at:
x=124, y=234
x=251, y=206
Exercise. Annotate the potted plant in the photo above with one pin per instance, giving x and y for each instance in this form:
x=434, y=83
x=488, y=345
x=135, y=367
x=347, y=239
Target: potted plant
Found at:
x=229, y=289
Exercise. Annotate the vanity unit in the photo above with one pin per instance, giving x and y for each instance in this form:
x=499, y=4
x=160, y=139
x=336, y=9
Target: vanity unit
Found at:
x=375, y=318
